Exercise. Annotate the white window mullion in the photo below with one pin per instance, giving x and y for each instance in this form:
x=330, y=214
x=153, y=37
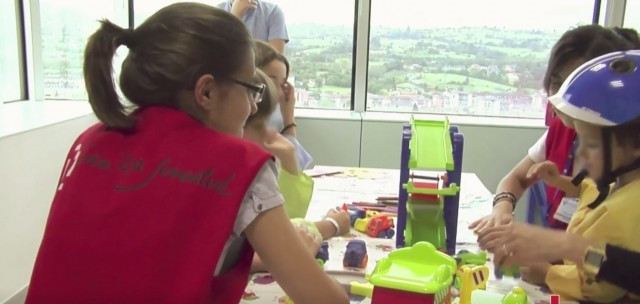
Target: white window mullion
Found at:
x=362, y=55
x=33, y=49
x=614, y=13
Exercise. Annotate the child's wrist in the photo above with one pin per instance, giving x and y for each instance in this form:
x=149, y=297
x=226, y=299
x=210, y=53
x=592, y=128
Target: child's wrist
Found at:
x=503, y=206
x=335, y=225
x=288, y=119
x=287, y=127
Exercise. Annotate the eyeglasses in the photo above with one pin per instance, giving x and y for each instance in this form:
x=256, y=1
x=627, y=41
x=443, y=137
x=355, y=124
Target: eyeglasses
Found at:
x=254, y=91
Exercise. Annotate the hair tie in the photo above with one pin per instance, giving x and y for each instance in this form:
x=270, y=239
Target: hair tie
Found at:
x=127, y=38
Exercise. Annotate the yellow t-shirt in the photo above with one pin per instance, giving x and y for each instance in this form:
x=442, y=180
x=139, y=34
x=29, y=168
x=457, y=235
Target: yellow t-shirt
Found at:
x=615, y=221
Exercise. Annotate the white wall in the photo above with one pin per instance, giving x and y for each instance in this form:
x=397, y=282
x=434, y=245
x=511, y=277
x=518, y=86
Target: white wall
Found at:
x=489, y=151
x=30, y=163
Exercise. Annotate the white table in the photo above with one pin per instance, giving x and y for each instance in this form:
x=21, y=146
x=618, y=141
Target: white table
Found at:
x=363, y=184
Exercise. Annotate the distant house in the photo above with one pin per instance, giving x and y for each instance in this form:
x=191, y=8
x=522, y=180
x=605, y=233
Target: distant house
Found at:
x=509, y=69
x=493, y=70
x=476, y=68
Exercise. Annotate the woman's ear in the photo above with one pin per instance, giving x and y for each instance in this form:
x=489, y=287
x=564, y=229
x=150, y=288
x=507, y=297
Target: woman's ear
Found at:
x=206, y=92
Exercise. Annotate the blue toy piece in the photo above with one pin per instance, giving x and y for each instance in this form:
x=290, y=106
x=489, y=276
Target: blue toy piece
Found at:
x=355, y=254
x=356, y=214
x=323, y=252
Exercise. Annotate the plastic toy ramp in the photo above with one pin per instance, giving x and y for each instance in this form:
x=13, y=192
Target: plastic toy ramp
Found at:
x=419, y=269
x=430, y=145
x=425, y=223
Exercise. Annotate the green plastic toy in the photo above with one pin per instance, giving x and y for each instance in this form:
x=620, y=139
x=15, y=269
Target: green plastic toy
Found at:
x=513, y=271
x=466, y=257
x=420, y=269
x=435, y=135
x=430, y=150
x=516, y=296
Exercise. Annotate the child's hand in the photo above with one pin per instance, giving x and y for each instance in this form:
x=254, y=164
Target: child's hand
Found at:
x=278, y=145
x=535, y=274
x=283, y=149
x=545, y=171
x=310, y=240
x=342, y=218
x=288, y=104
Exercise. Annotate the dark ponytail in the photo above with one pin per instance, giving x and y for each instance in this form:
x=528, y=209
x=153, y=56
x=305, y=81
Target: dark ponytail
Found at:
x=630, y=35
x=98, y=76
x=168, y=53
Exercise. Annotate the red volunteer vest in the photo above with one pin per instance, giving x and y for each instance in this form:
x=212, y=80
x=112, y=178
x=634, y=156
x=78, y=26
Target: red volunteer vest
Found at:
x=558, y=148
x=143, y=217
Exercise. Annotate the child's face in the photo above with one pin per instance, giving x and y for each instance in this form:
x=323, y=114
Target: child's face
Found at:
x=591, y=150
x=277, y=71
x=232, y=103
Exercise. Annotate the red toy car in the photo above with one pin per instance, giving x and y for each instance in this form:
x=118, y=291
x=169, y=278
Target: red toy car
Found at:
x=381, y=227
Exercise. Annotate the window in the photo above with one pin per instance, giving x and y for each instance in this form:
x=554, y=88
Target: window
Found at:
x=143, y=9
x=65, y=27
x=320, y=51
x=320, y=47
x=632, y=14
x=11, y=77
x=465, y=57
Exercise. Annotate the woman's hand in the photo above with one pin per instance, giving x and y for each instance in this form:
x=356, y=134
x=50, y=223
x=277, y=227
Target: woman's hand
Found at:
x=287, y=108
x=240, y=7
x=502, y=215
x=525, y=244
x=535, y=273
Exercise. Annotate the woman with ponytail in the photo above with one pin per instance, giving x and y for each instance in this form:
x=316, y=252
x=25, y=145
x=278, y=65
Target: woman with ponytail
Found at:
x=163, y=201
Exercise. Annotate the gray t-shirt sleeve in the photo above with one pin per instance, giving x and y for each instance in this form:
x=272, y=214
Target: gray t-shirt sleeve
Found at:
x=277, y=27
x=263, y=194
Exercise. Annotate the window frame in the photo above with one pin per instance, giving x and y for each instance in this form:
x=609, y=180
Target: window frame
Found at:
x=31, y=55
x=612, y=18
x=20, y=34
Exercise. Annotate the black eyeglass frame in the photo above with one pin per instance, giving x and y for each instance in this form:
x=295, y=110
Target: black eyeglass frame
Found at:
x=258, y=89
